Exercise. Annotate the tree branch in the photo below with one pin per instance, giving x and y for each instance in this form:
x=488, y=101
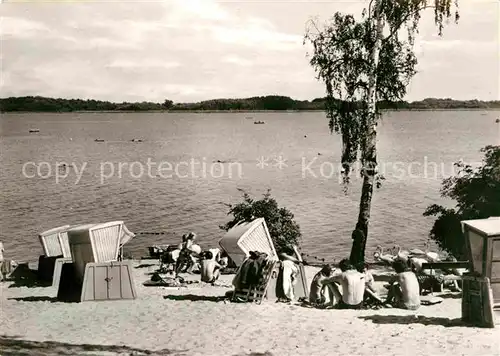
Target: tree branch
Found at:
x=370, y=9
x=398, y=27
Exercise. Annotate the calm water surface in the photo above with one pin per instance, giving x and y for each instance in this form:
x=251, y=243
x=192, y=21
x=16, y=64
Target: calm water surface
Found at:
x=108, y=184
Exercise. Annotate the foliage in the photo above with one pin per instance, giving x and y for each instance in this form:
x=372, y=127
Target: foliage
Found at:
x=284, y=231
x=167, y=104
x=342, y=59
x=42, y=104
x=477, y=195
x=362, y=62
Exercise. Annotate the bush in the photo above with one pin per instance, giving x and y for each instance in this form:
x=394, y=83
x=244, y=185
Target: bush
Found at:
x=477, y=193
x=284, y=231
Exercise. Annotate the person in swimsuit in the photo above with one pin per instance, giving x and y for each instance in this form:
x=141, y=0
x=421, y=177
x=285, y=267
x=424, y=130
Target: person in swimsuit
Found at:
x=353, y=286
x=210, y=269
x=371, y=297
x=317, y=290
x=186, y=253
x=404, y=289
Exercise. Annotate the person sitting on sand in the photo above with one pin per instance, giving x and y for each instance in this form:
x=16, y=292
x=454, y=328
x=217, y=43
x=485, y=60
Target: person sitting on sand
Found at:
x=210, y=269
x=428, y=279
x=353, y=286
x=319, y=286
x=404, y=289
x=371, y=296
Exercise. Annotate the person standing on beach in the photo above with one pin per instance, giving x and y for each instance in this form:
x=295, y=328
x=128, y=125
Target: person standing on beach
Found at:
x=186, y=254
x=404, y=289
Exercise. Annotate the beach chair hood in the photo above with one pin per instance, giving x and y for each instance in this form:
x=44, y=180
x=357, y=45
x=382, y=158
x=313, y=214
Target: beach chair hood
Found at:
x=246, y=237
x=126, y=235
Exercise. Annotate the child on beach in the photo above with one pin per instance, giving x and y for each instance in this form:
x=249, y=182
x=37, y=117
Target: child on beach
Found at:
x=210, y=269
x=404, y=289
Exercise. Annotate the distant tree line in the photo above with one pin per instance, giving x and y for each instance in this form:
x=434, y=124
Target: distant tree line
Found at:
x=270, y=102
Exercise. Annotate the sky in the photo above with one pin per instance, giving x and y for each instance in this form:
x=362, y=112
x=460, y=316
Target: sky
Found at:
x=193, y=50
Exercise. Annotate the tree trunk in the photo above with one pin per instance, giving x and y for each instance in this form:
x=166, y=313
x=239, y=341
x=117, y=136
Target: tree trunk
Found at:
x=369, y=145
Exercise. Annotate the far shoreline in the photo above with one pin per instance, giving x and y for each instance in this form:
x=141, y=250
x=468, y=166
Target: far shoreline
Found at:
x=225, y=111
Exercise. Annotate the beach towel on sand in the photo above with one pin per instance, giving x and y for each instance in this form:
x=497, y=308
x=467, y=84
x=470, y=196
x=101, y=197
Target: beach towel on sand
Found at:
x=430, y=300
x=158, y=281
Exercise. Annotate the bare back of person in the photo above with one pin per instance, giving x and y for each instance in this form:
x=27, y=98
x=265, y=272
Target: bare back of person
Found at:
x=209, y=270
x=410, y=290
x=353, y=287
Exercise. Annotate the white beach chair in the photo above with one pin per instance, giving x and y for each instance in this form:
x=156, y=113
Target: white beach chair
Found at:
x=96, y=271
x=56, y=252
x=55, y=242
x=246, y=237
x=97, y=243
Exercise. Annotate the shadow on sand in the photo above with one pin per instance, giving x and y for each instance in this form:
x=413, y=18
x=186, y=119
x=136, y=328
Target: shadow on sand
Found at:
x=15, y=347
x=196, y=298
x=23, y=276
x=146, y=265
x=36, y=299
x=451, y=295
x=413, y=319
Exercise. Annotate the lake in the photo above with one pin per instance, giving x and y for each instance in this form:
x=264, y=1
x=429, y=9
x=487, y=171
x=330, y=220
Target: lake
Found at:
x=172, y=181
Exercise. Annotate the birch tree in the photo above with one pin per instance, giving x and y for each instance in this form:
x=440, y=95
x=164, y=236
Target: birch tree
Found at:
x=362, y=62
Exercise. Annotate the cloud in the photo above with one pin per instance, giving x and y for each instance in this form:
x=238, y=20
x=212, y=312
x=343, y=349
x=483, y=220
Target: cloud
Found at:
x=199, y=9
x=148, y=63
x=20, y=28
x=237, y=60
x=254, y=35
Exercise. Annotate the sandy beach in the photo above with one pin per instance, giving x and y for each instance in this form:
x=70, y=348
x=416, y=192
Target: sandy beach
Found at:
x=195, y=320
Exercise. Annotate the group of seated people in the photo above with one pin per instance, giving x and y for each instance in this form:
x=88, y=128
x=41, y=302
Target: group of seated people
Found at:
x=188, y=257
x=353, y=288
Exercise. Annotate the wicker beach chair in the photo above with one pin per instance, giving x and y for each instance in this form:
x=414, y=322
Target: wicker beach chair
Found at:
x=55, y=242
x=56, y=252
x=246, y=237
x=96, y=272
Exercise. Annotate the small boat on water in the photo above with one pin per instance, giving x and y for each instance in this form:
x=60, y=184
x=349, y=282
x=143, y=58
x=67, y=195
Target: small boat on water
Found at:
x=98, y=140
x=34, y=130
x=259, y=122
x=136, y=140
